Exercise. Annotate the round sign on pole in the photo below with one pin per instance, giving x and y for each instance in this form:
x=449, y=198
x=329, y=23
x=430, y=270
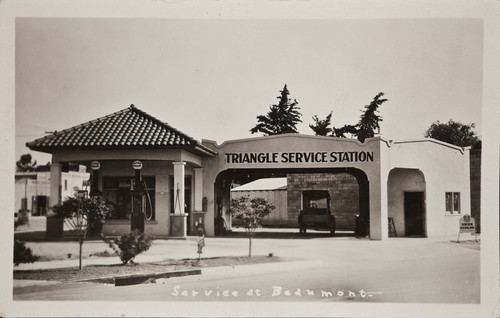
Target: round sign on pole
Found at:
x=95, y=165
x=137, y=165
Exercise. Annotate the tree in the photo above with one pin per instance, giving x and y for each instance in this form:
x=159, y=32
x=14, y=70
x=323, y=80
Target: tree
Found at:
x=25, y=164
x=281, y=118
x=455, y=133
x=81, y=213
x=347, y=129
x=45, y=167
x=320, y=127
x=250, y=212
x=368, y=124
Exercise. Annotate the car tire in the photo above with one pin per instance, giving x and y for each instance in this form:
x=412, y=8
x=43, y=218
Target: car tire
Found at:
x=332, y=231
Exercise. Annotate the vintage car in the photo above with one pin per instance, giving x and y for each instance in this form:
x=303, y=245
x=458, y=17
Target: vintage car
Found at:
x=316, y=212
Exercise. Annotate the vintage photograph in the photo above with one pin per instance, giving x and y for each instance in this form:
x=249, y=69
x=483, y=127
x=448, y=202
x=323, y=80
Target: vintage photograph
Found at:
x=248, y=162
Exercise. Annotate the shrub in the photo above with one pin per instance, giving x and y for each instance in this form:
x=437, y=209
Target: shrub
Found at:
x=128, y=246
x=19, y=221
x=23, y=254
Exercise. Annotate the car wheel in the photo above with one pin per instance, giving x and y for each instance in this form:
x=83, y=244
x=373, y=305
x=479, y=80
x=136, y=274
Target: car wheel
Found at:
x=332, y=230
x=302, y=230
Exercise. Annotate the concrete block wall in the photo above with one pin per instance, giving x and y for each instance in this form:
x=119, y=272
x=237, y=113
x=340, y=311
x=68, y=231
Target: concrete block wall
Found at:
x=344, y=196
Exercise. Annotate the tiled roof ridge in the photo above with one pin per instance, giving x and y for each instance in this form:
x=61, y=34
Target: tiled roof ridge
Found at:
x=85, y=124
x=143, y=113
x=96, y=133
x=99, y=119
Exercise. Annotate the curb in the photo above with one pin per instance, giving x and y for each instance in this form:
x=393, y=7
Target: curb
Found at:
x=135, y=279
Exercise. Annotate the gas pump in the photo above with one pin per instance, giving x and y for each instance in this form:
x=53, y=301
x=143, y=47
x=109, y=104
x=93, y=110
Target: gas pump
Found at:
x=137, y=193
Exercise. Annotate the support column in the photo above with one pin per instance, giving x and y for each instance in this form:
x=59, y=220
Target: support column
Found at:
x=55, y=184
x=198, y=189
x=179, y=221
x=379, y=229
x=198, y=216
x=55, y=226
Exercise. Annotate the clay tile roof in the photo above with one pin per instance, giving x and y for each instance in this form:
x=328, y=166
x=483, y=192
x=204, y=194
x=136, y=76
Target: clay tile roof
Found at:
x=125, y=129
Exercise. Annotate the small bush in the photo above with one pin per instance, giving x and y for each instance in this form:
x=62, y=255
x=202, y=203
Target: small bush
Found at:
x=23, y=254
x=128, y=246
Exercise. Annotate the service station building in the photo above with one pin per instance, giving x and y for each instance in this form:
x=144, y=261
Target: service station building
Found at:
x=422, y=186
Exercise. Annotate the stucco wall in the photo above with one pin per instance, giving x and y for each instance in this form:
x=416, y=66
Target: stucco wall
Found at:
x=29, y=188
x=39, y=185
x=445, y=169
x=291, y=143
x=72, y=182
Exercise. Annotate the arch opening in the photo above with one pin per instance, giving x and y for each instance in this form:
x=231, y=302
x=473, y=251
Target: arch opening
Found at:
x=347, y=187
x=406, y=190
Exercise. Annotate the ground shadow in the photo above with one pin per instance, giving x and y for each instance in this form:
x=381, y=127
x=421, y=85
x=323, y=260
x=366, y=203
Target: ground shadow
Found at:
x=270, y=234
x=41, y=236
x=70, y=236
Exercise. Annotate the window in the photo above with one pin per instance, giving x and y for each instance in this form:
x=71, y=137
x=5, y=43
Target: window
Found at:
x=452, y=202
x=116, y=192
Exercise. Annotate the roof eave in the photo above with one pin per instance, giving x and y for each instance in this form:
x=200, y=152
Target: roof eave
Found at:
x=196, y=149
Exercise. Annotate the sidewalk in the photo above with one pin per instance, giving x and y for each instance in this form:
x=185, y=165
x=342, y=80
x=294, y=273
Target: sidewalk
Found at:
x=312, y=249
x=64, y=254
x=167, y=249
x=58, y=254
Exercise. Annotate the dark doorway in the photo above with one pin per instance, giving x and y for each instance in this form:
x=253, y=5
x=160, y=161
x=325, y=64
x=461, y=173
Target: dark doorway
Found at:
x=39, y=205
x=414, y=214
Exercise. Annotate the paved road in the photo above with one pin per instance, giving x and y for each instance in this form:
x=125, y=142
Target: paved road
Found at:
x=408, y=270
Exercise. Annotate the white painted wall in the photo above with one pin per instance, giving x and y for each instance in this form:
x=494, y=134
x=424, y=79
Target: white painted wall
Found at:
x=39, y=185
x=27, y=187
x=72, y=182
x=445, y=169
x=295, y=143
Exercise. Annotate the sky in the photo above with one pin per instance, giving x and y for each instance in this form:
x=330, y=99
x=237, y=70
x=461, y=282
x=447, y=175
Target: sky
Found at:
x=210, y=70
x=210, y=78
